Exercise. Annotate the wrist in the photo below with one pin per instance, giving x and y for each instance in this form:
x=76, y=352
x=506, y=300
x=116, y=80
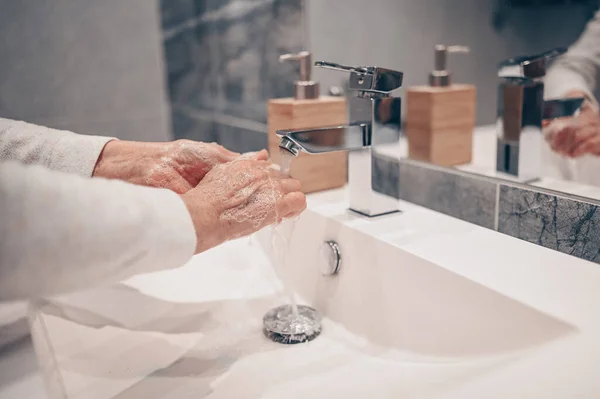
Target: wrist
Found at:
x=206, y=221
x=123, y=159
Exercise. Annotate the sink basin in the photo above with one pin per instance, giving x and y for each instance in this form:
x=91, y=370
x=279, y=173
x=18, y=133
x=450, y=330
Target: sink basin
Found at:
x=398, y=300
x=423, y=306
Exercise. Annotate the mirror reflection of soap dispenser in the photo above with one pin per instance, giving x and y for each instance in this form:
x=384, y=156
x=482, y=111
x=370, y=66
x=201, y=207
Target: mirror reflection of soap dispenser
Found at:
x=440, y=117
x=307, y=109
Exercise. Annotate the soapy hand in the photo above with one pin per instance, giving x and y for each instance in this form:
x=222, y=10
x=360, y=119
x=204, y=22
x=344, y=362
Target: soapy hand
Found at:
x=239, y=198
x=179, y=165
x=575, y=136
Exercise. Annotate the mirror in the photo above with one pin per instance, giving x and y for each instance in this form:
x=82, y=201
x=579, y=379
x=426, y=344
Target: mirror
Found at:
x=403, y=36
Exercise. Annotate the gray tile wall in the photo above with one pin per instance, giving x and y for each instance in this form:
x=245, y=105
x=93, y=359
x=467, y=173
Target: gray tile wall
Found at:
x=553, y=220
x=94, y=67
x=222, y=66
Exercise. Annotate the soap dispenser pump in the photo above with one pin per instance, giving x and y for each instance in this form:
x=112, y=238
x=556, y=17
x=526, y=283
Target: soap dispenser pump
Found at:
x=304, y=88
x=305, y=110
x=440, y=117
x=440, y=76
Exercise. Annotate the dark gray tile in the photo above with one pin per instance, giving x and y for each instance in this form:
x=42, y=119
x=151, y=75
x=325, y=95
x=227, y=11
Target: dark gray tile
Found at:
x=175, y=12
x=179, y=61
x=465, y=197
x=231, y=66
x=185, y=126
x=563, y=224
x=239, y=139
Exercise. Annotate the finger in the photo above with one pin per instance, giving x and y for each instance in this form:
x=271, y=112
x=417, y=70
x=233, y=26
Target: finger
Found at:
x=560, y=141
x=178, y=185
x=591, y=146
x=261, y=155
x=226, y=154
x=290, y=186
x=290, y=204
x=181, y=187
x=581, y=136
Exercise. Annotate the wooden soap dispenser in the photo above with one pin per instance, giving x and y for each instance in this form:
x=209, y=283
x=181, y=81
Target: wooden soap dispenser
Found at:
x=440, y=118
x=309, y=110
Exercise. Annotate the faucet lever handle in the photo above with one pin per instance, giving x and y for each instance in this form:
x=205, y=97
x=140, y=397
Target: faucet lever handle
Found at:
x=339, y=67
x=458, y=49
x=369, y=79
x=441, y=53
x=304, y=58
x=528, y=67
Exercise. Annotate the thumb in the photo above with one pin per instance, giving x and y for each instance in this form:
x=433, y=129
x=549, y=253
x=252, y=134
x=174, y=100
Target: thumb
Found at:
x=261, y=155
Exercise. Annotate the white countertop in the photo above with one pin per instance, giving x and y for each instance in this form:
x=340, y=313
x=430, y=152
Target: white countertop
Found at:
x=196, y=331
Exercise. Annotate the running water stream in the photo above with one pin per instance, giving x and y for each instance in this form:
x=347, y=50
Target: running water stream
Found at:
x=288, y=324
x=283, y=232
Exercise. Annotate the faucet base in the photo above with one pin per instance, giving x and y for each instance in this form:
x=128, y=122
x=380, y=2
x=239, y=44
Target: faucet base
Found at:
x=374, y=215
x=520, y=161
x=363, y=197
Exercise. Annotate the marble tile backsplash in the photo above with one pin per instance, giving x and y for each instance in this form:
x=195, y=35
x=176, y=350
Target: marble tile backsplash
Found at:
x=554, y=221
x=222, y=66
x=463, y=197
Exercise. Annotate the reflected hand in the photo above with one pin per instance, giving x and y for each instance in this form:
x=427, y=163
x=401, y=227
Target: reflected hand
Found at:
x=239, y=198
x=575, y=136
x=179, y=165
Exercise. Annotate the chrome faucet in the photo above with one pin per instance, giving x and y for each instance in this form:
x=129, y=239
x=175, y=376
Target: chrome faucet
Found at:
x=521, y=110
x=374, y=119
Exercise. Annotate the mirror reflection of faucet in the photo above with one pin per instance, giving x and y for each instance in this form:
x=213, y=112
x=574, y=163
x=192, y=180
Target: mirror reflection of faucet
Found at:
x=521, y=111
x=374, y=118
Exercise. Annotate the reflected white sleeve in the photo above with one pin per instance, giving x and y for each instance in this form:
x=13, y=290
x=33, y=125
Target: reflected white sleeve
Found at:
x=60, y=232
x=578, y=68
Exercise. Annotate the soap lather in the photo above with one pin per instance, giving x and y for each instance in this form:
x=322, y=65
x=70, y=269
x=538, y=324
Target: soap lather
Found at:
x=441, y=116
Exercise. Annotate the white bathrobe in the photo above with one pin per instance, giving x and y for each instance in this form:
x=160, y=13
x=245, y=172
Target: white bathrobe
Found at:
x=61, y=230
x=576, y=70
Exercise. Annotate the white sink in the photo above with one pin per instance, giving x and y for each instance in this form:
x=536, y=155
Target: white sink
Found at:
x=424, y=306
x=401, y=301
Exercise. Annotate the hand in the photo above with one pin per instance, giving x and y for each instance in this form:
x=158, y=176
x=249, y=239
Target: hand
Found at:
x=575, y=136
x=179, y=165
x=239, y=198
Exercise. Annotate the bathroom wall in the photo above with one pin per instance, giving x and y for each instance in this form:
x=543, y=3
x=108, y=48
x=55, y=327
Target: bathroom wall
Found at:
x=400, y=34
x=222, y=55
x=554, y=220
x=222, y=66
x=94, y=67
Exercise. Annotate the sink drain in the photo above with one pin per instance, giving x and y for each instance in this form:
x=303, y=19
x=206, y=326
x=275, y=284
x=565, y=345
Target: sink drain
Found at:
x=285, y=325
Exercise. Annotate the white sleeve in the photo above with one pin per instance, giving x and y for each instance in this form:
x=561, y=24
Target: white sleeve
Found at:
x=60, y=232
x=578, y=68
x=55, y=149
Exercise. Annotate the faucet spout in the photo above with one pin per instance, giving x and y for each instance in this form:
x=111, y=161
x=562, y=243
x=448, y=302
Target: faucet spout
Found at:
x=326, y=139
x=287, y=144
